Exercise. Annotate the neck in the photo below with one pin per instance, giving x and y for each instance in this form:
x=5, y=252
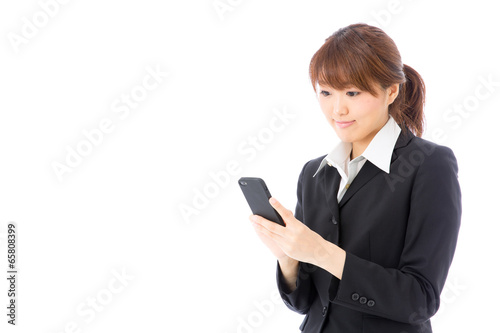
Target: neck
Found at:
x=357, y=150
x=359, y=147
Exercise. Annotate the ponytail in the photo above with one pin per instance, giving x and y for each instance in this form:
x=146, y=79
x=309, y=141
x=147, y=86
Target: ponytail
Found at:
x=408, y=108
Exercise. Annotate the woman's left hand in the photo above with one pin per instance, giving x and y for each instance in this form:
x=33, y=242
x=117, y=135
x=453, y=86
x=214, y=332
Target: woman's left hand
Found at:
x=296, y=239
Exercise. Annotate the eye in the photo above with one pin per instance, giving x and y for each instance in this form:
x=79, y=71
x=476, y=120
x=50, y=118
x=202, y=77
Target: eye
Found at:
x=352, y=93
x=324, y=93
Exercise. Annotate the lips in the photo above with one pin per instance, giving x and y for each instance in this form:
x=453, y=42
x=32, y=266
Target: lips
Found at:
x=344, y=124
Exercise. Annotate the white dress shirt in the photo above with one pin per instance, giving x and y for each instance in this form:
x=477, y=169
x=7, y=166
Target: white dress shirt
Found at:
x=378, y=152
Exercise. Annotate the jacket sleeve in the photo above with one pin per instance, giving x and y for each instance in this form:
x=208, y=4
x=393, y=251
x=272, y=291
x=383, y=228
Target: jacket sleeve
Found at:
x=410, y=293
x=301, y=298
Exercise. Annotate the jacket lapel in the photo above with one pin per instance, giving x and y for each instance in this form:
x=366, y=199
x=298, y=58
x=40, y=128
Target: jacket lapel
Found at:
x=331, y=182
x=367, y=172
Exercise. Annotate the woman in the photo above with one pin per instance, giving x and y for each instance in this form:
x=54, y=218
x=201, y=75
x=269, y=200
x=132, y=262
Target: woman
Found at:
x=377, y=219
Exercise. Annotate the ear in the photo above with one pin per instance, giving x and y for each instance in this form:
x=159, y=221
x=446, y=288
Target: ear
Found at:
x=392, y=93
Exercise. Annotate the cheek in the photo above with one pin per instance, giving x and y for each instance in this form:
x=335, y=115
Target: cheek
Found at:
x=325, y=108
x=359, y=110
x=369, y=108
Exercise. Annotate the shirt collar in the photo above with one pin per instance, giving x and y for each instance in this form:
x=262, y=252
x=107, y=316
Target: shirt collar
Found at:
x=378, y=152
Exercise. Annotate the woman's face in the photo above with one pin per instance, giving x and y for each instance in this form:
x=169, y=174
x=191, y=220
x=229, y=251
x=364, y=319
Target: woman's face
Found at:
x=355, y=115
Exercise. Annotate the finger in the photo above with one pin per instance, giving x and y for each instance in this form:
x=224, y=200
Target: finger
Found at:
x=270, y=226
x=261, y=231
x=285, y=213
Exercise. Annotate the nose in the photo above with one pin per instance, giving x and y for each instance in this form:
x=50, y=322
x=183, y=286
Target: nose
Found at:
x=339, y=107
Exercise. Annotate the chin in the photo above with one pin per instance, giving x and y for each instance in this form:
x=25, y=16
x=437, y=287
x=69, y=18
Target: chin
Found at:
x=344, y=136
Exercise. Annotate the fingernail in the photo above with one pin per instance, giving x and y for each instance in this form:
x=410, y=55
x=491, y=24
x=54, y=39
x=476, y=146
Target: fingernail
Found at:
x=272, y=200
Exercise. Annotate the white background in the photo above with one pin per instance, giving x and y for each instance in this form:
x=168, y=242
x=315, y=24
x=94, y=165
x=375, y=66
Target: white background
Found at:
x=228, y=74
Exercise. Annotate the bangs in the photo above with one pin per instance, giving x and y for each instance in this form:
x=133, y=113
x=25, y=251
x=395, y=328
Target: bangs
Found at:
x=343, y=62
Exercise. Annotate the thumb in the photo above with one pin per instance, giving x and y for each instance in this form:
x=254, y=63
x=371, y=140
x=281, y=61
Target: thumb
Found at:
x=285, y=213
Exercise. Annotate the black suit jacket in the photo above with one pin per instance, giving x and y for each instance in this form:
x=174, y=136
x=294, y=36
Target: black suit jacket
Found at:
x=399, y=231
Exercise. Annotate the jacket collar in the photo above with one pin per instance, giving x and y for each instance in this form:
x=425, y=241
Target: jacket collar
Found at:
x=331, y=177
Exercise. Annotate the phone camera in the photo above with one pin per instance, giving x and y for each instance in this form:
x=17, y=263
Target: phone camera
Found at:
x=243, y=182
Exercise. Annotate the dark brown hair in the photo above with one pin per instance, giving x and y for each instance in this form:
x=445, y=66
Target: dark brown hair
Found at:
x=364, y=56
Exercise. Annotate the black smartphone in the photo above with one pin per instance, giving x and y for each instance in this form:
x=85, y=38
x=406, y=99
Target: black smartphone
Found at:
x=257, y=195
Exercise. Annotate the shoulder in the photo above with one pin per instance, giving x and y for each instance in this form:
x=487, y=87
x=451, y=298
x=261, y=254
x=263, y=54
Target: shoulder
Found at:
x=312, y=166
x=429, y=149
x=421, y=164
x=425, y=155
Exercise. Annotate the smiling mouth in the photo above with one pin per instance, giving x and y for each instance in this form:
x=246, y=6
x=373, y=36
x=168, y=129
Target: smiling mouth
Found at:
x=344, y=124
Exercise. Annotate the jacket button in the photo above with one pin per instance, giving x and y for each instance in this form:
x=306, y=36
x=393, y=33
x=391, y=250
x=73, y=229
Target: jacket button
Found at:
x=324, y=310
x=355, y=297
x=370, y=303
x=334, y=221
x=362, y=300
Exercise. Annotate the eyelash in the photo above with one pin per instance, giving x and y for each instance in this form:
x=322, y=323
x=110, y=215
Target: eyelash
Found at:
x=326, y=93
